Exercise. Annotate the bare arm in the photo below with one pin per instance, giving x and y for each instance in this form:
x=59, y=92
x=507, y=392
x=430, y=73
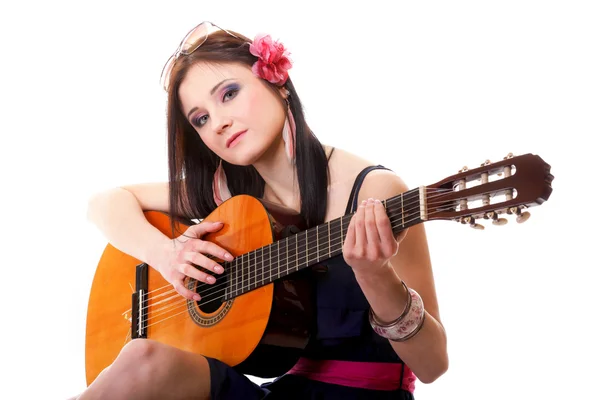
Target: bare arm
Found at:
x=425, y=353
x=119, y=215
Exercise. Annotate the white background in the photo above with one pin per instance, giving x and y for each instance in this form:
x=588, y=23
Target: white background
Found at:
x=424, y=88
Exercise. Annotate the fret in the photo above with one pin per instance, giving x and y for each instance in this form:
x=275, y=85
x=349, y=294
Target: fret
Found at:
x=229, y=274
x=297, y=266
x=402, y=206
x=279, y=274
x=262, y=262
x=281, y=256
x=334, y=240
x=238, y=274
x=282, y=259
x=251, y=271
x=306, y=247
x=329, y=238
x=232, y=272
x=287, y=254
x=247, y=274
x=227, y=281
x=322, y=250
x=257, y=269
x=317, y=242
x=271, y=263
x=242, y=277
x=302, y=250
x=266, y=266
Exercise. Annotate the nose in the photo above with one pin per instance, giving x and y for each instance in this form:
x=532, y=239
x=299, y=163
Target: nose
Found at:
x=221, y=124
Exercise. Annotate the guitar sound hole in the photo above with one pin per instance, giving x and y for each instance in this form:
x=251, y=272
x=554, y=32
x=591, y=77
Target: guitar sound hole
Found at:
x=211, y=297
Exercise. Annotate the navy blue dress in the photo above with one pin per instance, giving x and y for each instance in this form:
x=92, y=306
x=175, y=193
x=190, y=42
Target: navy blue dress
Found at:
x=342, y=333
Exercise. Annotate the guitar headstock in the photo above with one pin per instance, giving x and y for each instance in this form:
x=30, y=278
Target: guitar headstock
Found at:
x=509, y=187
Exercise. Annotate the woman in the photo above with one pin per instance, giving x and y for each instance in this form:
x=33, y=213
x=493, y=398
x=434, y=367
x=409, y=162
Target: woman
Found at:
x=236, y=125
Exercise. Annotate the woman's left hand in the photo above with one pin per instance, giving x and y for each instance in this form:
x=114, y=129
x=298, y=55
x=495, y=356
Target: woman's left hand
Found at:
x=370, y=241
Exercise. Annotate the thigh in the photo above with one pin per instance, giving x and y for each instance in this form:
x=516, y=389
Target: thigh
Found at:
x=147, y=369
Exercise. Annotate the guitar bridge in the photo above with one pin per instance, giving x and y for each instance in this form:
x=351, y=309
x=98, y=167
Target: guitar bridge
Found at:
x=139, y=303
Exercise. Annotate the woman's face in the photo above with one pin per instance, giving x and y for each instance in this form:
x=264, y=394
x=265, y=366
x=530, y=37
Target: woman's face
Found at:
x=236, y=115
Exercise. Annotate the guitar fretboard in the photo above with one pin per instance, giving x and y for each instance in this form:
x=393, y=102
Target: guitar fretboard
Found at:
x=296, y=252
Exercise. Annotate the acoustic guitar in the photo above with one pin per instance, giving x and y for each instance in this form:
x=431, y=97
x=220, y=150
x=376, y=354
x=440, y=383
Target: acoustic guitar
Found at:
x=258, y=316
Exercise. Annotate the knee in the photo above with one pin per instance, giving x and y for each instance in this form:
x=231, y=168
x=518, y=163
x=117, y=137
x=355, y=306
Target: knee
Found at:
x=138, y=362
x=139, y=352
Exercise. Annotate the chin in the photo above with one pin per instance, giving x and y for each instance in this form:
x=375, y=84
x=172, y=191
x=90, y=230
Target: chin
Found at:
x=249, y=153
x=243, y=158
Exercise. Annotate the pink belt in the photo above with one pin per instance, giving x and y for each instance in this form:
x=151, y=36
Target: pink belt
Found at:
x=366, y=375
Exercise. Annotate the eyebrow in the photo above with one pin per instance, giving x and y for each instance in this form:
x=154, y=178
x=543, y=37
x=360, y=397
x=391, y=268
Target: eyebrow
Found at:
x=212, y=91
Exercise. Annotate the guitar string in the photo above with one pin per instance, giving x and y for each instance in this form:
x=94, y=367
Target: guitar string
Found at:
x=221, y=277
x=183, y=302
x=212, y=290
x=389, y=205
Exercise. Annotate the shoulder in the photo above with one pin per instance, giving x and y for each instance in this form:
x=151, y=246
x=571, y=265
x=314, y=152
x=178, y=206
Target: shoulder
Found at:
x=380, y=183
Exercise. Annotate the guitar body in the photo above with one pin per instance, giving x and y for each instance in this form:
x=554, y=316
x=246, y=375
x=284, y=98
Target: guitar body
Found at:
x=261, y=332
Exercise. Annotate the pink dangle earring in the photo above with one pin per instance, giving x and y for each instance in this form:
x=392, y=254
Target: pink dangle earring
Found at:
x=289, y=135
x=220, y=189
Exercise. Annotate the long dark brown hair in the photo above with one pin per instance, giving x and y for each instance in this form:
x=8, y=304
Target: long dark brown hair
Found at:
x=192, y=164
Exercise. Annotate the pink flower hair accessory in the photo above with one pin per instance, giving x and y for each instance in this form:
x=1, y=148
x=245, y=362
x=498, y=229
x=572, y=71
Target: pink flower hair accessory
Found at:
x=273, y=59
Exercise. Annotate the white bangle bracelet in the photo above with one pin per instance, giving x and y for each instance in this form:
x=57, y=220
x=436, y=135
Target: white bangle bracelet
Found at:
x=404, y=327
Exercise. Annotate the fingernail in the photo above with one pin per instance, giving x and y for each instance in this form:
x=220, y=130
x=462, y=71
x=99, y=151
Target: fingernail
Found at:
x=210, y=279
x=228, y=256
x=197, y=297
x=218, y=269
x=377, y=201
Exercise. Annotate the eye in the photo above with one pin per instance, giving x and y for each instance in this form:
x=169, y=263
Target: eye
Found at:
x=230, y=94
x=200, y=121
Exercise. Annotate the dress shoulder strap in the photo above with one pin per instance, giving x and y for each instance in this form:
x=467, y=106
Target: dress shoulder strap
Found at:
x=353, y=200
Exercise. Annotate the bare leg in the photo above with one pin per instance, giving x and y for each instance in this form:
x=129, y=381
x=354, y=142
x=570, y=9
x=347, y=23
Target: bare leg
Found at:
x=146, y=369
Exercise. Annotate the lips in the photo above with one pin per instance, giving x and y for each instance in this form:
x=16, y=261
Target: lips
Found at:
x=234, y=136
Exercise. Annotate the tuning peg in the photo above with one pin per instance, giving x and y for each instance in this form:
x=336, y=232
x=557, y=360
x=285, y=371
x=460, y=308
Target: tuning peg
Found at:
x=523, y=217
x=509, y=155
x=486, y=162
x=472, y=223
x=500, y=221
x=463, y=169
x=493, y=215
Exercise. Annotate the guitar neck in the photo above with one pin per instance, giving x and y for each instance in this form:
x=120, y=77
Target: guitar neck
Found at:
x=293, y=253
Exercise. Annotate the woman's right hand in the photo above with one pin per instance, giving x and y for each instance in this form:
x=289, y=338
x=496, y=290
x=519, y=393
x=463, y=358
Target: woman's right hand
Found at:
x=185, y=256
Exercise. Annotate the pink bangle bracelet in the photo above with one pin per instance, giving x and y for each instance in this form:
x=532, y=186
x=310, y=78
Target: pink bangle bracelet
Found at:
x=407, y=325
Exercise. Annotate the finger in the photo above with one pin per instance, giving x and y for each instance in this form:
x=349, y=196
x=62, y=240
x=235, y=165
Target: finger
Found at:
x=193, y=272
x=389, y=245
x=185, y=292
x=206, y=247
x=372, y=234
x=202, y=261
x=202, y=228
x=384, y=226
x=350, y=239
x=361, y=239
